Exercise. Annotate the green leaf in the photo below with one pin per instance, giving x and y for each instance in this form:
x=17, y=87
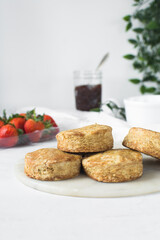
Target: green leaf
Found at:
x=158, y=51
x=40, y=117
x=4, y=115
x=20, y=131
x=123, y=114
x=132, y=41
x=141, y=59
x=150, y=78
x=31, y=114
x=143, y=89
x=17, y=115
x=47, y=124
x=136, y=2
x=117, y=111
x=129, y=25
x=135, y=80
x=138, y=30
x=137, y=65
x=112, y=105
x=127, y=18
x=95, y=110
x=129, y=56
x=150, y=90
x=152, y=25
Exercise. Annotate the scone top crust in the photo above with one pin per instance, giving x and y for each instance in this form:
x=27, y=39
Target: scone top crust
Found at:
x=143, y=131
x=50, y=156
x=114, y=156
x=143, y=140
x=140, y=138
x=84, y=131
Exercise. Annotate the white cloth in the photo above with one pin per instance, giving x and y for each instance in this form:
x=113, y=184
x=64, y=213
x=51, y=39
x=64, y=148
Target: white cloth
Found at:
x=75, y=119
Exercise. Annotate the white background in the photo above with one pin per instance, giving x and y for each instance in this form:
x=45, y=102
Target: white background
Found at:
x=43, y=41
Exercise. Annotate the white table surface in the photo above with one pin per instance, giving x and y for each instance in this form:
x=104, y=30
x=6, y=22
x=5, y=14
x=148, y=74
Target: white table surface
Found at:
x=28, y=214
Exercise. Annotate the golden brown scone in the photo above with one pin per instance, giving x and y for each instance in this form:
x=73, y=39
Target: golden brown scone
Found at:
x=117, y=165
x=143, y=140
x=52, y=164
x=92, y=138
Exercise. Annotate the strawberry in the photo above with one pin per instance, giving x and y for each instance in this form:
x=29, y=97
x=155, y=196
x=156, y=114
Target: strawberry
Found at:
x=30, y=126
x=1, y=123
x=8, y=136
x=33, y=129
x=50, y=120
x=18, y=122
x=39, y=125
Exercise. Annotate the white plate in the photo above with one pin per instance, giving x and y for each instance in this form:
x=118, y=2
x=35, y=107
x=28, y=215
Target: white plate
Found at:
x=83, y=186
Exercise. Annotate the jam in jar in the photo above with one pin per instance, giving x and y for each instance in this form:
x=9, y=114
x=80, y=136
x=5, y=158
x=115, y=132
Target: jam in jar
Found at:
x=88, y=90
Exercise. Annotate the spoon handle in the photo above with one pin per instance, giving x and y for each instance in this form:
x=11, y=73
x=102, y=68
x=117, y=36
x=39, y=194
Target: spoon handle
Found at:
x=102, y=61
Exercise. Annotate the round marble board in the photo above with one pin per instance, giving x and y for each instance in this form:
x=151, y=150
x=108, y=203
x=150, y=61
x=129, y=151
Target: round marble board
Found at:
x=83, y=186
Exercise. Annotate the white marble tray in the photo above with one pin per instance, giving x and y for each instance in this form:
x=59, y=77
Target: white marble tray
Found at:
x=83, y=186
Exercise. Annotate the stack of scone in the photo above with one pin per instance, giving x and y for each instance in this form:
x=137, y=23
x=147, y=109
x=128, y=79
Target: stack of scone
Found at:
x=90, y=147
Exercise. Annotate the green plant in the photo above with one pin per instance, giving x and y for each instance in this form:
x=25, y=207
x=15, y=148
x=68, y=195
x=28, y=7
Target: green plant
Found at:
x=118, y=112
x=147, y=43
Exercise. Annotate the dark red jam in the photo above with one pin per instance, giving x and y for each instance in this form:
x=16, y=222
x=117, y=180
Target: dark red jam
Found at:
x=88, y=97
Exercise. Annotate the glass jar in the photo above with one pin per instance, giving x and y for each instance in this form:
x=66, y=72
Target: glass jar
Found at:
x=88, y=89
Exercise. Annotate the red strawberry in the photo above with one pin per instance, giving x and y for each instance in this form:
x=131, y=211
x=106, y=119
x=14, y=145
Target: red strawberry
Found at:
x=30, y=126
x=33, y=129
x=8, y=136
x=18, y=122
x=1, y=123
x=49, y=119
x=39, y=125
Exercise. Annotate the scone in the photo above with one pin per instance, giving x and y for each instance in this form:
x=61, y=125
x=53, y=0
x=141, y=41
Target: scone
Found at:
x=92, y=138
x=52, y=164
x=119, y=165
x=143, y=140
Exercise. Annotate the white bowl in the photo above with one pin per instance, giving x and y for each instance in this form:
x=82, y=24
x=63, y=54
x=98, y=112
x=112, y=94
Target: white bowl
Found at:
x=143, y=110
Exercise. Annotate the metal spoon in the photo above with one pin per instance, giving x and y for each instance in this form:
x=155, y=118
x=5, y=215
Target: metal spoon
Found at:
x=105, y=57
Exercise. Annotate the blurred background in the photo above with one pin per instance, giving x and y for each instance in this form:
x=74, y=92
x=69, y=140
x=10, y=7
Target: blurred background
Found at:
x=43, y=41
